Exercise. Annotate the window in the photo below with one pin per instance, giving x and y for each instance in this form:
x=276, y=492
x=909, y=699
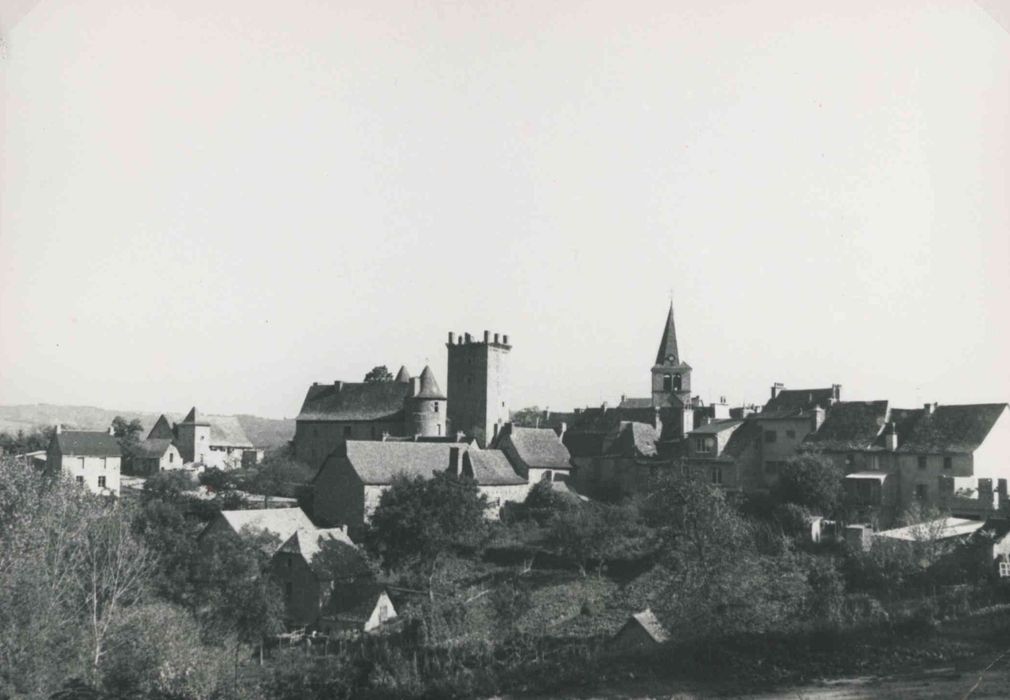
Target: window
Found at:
x=921, y=492
x=79, y=480
x=667, y=382
x=948, y=462
x=547, y=476
x=771, y=436
x=171, y=457
x=703, y=444
x=791, y=434
x=1004, y=569
x=383, y=612
x=716, y=475
x=434, y=407
x=347, y=431
x=101, y=482
x=438, y=429
x=922, y=461
x=945, y=485
x=676, y=382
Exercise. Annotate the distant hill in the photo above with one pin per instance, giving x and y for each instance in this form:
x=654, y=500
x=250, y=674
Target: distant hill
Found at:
x=262, y=432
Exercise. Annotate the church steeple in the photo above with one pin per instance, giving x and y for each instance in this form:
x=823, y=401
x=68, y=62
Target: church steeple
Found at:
x=671, y=378
x=668, y=354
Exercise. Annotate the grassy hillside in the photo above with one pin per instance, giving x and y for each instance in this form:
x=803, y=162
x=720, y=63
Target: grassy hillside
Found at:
x=263, y=432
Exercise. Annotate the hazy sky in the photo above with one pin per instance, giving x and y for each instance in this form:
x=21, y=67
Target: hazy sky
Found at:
x=218, y=203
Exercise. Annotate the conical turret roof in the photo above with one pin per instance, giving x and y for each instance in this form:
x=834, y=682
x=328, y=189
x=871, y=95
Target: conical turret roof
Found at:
x=668, y=353
x=403, y=375
x=429, y=388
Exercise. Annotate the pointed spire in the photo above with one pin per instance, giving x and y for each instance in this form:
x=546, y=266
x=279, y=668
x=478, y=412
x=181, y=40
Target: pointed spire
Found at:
x=403, y=376
x=194, y=417
x=429, y=387
x=668, y=353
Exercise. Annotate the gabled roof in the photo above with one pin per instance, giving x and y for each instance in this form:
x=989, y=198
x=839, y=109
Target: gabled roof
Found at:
x=491, y=468
x=280, y=522
x=800, y=400
x=538, y=448
x=668, y=353
x=403, y=375
x=162, y=429
x=955, y=428
x=84, y=443
x=226, y=431
x=355, y=401
x=850, y=425
x=194, y=417
x=631, y=439
x=340, y=553
x=380, y=462
x=429, y=387
x=151, y=448
x=354, y=603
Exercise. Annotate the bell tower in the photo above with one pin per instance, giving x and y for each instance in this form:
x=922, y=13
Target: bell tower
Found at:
x=671, y=378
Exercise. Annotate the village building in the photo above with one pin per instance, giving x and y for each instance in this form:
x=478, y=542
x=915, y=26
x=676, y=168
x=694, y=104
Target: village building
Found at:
x=333, y=413
x=706, y=456
x=279, y=524
x=197, y=440
x=309, y=565
x=623, y=463
x=537, y=454
x=91, y=459
x=479, y=385
x=351, y=481
x=356, y=609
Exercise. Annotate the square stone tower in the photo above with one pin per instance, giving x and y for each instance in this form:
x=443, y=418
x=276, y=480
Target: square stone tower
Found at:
x=478, y=386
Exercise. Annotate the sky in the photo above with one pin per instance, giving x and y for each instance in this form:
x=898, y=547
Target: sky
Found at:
x=216, y=204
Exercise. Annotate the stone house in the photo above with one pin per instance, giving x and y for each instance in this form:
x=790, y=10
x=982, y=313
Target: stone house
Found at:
x=706, y=452
x=622, y=464
x=536, y=453
x=357, y=608
x=280, y=523
x=92, y=459
x=351, y=481
x=308, y=566
x=209, y=441
x=333, y=413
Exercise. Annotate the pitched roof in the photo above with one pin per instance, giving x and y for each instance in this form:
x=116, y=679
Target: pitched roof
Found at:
x=151, y=448
x=403, y=375
x=194, y=417
x=355, y=602
x=429, y=387
x=940, y=529
x=800, y=399
x=380, y=462
x=631, y=439
x=491, y=468
x=651, y=624
x=340, y=553
x=539, y=448
x=635, y=403
x=226, y=431
x=668, y=353
x=162, y=429
x=717, y=426
x=83, y=443
x=353, y=401
x=850, y=425
x=957, y=428
x=743, y=438
x=280, y=522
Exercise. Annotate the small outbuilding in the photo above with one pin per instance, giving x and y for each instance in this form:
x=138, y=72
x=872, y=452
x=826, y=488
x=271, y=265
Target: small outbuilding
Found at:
x=642, y=632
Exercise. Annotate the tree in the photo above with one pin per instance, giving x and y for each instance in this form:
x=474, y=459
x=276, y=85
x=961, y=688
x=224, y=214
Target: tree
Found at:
x=593, y=533
x=528, y=417
x=378, y=374
x=417, y=519
x=170, y=486
x=127, y=432
x=812, y=481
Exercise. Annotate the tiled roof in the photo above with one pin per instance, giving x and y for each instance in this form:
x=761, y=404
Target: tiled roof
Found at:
x=340, y=552
x=850, y=425
x=539, y=448
x=491, y=468
x=354, y=603
x=380, y=462
x=429, y=387
x=354, y=401
x=904, y=420
x=83, y=443
x=717, y=426
x=280, y=522
x=960, y=428
x=668, y=353
x=226, y=431
x=631, y=439
x=162, y=429
x=800, y=399
x=635, y=403
x=940, y=529
x=151, y=448
x=650, y=623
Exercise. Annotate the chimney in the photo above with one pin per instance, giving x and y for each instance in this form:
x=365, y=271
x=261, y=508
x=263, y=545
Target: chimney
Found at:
x=561, y=430
x=467, y=338
x=929, y=408
x=460, y=436
x=112, y=431
x=604, y=407
x=487, y=337
x=836, y=392
x=339, y=385
x=777, y=388
x=59, y=428
x=454, y=460
x=505, y=339
x=452, y=337
x=495, y=338
x=890, y=436
x=624, y=398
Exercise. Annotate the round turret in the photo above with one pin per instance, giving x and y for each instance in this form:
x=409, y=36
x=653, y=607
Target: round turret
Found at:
x=426, y=406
